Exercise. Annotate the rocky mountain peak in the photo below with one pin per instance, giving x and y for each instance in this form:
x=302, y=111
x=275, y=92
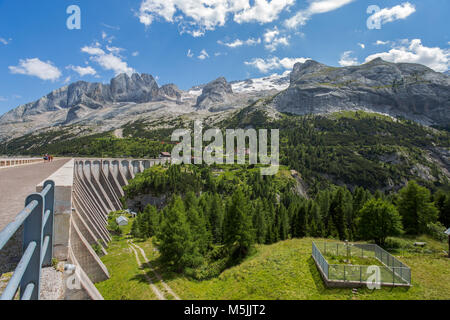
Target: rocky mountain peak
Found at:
x=406, y=90
x=215, y=92
x=170, y=91
x=308, y=67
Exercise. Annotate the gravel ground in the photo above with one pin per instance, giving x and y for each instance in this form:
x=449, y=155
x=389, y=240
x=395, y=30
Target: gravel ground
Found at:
x=52, y=283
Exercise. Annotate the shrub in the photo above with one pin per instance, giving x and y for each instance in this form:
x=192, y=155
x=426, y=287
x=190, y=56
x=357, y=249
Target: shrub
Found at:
x=436, y=231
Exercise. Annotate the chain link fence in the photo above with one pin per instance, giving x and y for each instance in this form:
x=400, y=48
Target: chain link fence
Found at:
x=374, y=261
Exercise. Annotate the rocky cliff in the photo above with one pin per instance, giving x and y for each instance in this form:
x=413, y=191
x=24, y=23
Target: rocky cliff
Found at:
x=214, y=93
x=411, y=91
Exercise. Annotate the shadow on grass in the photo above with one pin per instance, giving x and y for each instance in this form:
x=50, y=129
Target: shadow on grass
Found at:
x=320, y=284
x=150, y=269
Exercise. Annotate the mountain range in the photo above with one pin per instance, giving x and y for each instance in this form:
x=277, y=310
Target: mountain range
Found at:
x=410, y=91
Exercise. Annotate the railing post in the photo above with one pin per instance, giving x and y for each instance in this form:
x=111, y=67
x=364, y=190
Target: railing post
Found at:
x=49, y=226
x=360, y=274
x=344, y=274
x=32, y=232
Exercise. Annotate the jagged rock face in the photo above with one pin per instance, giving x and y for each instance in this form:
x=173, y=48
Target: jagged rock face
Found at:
x=170, y=91
x=82, y=97
x=215, y=92
x=409, y=90
x=137, y=88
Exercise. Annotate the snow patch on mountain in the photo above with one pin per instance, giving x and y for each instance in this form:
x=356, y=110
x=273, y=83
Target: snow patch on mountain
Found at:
x=275, y=81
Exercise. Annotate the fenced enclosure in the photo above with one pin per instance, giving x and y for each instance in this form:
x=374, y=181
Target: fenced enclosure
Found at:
x=335, y=261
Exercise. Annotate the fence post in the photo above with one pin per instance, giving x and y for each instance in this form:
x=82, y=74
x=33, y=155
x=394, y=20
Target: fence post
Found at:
x=32, y=232
x=344, y=274
x=393, y=276
x=360, y=274
x=337, y=249
x=49, y=227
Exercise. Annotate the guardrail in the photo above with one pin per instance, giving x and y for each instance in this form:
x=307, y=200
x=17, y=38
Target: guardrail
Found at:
x=4, y=163
x=37, y=219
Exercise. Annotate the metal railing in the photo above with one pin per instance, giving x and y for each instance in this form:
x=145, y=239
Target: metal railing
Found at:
x=391, y=270
x=12, y=162
x=37, y=220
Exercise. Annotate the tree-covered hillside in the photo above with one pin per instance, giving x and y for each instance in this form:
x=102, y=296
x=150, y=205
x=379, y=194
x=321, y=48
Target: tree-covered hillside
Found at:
x=348, y=148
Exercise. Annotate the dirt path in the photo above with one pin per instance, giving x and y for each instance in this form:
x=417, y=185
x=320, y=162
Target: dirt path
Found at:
x=165, y=285
x=158, y=293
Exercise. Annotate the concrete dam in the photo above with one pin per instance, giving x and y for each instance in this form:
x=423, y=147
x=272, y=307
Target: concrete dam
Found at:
x=85, y=192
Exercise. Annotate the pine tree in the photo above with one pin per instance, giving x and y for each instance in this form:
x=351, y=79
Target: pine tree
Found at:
x=416, y=208
x=259, y=222
x=238, y=231
x=339, y=212
x=176, y=244
x=216, y=218
x=284, y=223
x=442, y=201
x=197, y=223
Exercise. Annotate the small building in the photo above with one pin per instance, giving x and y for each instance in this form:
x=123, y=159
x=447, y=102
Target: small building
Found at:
x=122, y=221
x=165, y=155
x=131, y=213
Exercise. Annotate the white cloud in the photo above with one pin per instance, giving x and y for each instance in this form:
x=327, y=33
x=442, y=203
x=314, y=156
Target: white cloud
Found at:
x=115, y=50
x=92, y=50
x=108, y=61
x=83, y=71
x=274, y=63
x=382, y=43
x=135, y=54
x=190, y=54
x=198, y=16
x=37, y=68
x=362, y=45
x=4, y=41
x=415, y=52
x=347, y=60
x=105, y=36
x=399, y=12
x=315, y=7
x=203, y=55
x=273, y=40
x=67, y=80
x=238, y=43
x=3, y=99
x=263, y=11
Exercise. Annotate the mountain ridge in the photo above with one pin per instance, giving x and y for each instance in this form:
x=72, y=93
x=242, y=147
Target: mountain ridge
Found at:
x=404, y=90
x=412, y=91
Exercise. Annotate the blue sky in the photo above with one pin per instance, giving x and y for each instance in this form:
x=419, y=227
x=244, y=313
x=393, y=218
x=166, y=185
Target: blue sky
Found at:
x=188, y=42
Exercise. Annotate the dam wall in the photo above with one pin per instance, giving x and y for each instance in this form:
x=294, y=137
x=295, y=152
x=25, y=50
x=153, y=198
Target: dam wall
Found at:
x=86, y=191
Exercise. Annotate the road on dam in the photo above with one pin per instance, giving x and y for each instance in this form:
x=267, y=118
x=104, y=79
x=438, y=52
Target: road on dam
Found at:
x=16, y=183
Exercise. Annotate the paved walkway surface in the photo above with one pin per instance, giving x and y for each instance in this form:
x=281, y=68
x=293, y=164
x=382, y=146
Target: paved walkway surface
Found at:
x=17, y=183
